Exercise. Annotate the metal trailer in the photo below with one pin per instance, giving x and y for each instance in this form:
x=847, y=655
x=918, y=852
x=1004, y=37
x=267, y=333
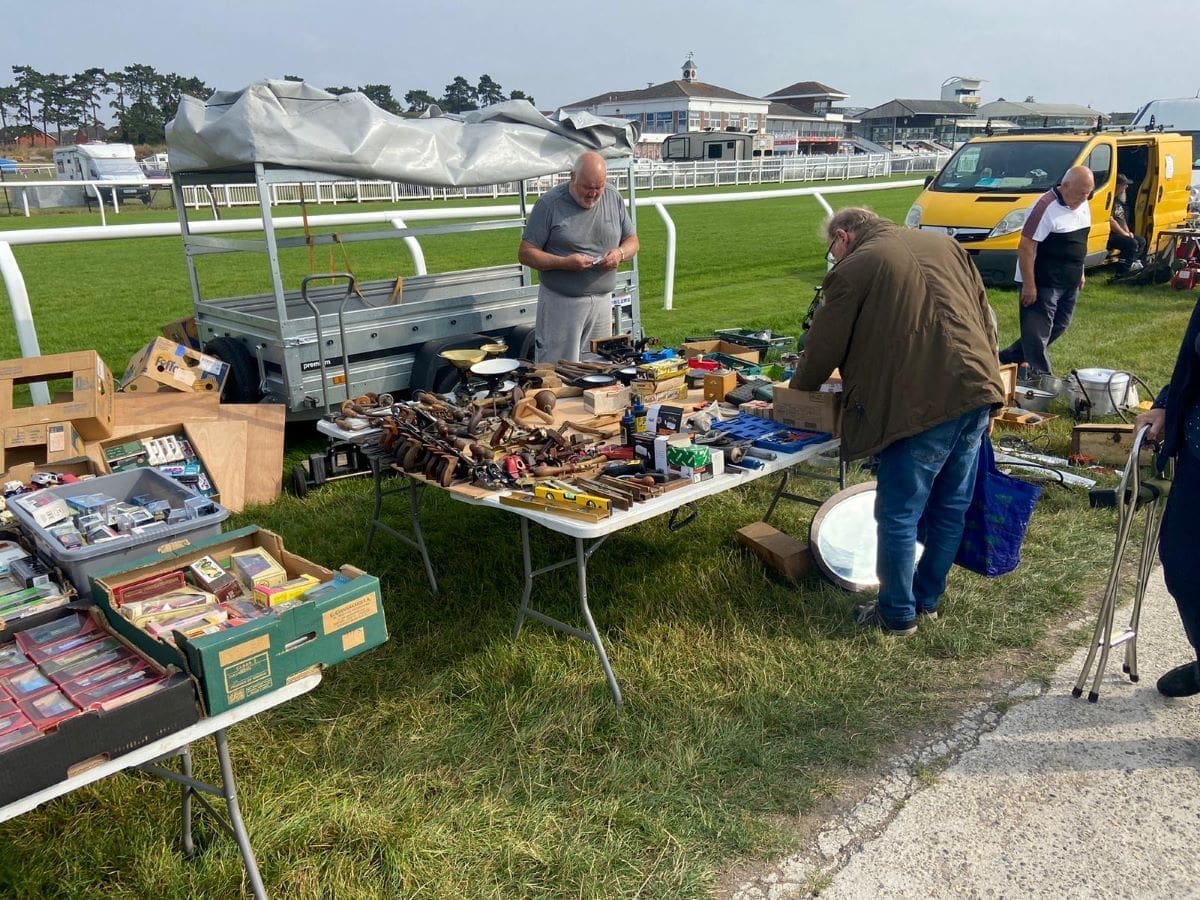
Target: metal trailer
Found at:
x=313, y=347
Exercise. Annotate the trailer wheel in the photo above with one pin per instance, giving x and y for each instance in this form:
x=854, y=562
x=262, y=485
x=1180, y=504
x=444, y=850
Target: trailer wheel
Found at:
x=522, y=342
x=299, y=482
x=429, y=369
x=241, y=384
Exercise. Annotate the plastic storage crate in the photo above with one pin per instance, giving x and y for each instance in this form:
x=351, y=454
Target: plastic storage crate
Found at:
x=79, y=565
x=757, y=340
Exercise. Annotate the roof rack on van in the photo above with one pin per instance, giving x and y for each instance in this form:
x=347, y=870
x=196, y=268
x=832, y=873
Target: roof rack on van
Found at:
x=1047, y=129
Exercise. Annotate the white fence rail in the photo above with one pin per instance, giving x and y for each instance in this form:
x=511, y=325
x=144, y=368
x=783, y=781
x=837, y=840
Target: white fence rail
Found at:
x=648, y=175
x=19, y=298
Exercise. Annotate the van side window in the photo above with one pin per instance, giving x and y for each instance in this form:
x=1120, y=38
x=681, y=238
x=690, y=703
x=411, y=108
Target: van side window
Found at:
x=1100, y=162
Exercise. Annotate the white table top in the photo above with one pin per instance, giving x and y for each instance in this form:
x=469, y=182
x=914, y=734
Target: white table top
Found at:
x=656, y=506
x=163, y=746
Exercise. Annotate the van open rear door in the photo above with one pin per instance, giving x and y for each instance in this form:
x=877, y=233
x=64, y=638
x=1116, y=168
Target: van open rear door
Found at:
x=1171, y=176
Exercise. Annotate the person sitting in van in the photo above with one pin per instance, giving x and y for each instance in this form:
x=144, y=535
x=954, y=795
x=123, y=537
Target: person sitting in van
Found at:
x=1132, y=246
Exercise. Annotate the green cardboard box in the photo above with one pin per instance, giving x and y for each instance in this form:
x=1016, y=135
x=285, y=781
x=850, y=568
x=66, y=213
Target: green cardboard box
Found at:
x=238, y=664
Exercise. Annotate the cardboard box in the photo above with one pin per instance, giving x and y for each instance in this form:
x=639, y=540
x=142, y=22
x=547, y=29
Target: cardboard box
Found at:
x=167, y=366
x=781, y=553
x=603, y=401
x=667, y=391
x=182, y=331
x=662, y=418
x=718, y=384
x=89, y=407
x=238, y=664
x=810, y=410
x=80, y=468
x=692, y=349
x=1008, y=377
x=56, y=442
x=72, y=744
x=109, y=465
x=1109, y=445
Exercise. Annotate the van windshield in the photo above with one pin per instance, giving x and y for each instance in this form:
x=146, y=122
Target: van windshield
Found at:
x=116, y=168
x=1018, y=167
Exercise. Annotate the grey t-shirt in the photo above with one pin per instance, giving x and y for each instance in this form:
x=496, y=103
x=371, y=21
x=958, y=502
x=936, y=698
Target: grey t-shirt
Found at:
x=561, y=226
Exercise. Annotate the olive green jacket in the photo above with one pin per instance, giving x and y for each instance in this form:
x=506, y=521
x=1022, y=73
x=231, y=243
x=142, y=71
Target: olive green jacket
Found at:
x=906, y=320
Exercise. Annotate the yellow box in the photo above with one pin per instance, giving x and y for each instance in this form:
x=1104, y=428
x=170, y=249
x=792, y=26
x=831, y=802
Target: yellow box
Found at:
x=286, y=592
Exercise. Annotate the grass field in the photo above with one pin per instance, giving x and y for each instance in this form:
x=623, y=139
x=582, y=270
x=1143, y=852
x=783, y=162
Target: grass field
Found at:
x=454, y=762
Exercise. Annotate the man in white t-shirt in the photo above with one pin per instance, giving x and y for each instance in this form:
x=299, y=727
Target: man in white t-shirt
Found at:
x=1050, y=262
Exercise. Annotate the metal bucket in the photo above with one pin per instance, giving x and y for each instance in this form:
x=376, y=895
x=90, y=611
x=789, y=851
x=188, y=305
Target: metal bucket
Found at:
x=1103, y=389
x=1034, y=399
x=1056, y=386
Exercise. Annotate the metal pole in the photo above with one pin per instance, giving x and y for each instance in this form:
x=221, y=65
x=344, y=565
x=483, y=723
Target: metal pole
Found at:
x=414, y=247
x=669, y=277
x=18, y=298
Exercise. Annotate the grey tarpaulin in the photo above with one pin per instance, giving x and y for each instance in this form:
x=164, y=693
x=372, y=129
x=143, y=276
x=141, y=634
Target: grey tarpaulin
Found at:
x=292, y=124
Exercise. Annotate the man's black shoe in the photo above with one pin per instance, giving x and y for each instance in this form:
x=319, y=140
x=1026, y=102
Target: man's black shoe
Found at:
x=1181, y=681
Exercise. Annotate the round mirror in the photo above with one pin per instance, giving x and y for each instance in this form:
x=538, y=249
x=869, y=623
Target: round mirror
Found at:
x=844, y=541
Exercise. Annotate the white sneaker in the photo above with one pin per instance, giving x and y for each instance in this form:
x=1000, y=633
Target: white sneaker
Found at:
x=1136, y=266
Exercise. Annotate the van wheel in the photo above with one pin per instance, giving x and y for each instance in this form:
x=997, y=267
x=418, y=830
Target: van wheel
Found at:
x=241, y=382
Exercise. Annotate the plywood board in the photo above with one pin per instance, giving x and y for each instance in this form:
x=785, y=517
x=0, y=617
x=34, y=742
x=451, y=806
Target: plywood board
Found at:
x=135, y=412
x=264, y=447
x=223, y=447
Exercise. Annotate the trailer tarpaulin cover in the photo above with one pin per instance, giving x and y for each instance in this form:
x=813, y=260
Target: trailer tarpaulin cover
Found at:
x=293, y=124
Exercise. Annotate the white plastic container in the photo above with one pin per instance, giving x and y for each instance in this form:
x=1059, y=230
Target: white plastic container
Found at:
x=1105, y=390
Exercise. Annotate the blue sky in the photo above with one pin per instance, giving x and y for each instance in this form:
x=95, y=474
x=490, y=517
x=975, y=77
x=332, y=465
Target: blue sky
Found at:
x=1113, y=56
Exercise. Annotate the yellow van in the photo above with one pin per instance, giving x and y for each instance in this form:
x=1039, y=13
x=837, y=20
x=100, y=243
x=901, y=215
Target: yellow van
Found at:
x=983, y=194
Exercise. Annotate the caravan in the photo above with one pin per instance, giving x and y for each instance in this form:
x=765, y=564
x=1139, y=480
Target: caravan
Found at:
x=102, y=162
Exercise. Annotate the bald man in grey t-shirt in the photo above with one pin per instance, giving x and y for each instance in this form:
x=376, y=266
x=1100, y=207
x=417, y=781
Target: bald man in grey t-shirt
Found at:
x=576, y=237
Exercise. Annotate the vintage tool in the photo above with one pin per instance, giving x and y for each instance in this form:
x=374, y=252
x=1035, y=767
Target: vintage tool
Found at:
x=526, y=501
x=341, y=459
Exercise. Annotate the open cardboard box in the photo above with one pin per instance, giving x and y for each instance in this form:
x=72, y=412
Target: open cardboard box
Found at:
x=238, y=664
x=90, y=404
x=181, y=430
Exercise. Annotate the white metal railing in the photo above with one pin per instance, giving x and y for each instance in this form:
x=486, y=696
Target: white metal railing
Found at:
x=94, y=189
x=19, y=298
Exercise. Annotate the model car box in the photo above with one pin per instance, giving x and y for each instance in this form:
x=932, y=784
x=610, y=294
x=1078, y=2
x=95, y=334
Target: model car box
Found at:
x=810, y=410
x=40, y=443
x=98, y=735
x=238, y=664
x=89, y=406
x=167, y=366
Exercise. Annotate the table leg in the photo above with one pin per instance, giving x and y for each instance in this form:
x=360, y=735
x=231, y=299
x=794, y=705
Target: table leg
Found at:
x=414, y=505
x=592, y=635
x=235, y=817
x=185, y=804
x=781, y=492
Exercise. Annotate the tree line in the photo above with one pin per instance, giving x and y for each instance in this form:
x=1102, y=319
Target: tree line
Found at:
x=142, y=100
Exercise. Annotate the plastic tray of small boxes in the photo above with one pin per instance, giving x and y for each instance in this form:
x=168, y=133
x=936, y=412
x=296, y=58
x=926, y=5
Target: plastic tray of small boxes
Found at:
x=768, y=435
x=97, y=524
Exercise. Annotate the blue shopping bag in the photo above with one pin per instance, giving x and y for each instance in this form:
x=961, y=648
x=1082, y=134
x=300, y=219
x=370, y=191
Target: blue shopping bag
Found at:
x=1000, y=510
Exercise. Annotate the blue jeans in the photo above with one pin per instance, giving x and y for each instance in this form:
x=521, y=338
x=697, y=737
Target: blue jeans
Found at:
x=926, y=480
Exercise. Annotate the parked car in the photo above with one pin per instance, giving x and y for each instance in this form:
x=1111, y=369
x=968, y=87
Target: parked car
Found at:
x=9, y=166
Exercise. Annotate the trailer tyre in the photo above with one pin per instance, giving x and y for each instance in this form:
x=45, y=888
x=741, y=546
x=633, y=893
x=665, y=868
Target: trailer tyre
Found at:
x=241, y=384
x=522, y=342
x=430, y=370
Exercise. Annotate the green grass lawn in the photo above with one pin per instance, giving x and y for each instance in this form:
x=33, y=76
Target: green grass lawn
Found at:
x=454, y=762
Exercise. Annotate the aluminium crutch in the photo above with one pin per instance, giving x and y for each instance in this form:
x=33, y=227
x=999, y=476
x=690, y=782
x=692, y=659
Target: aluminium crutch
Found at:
x=1133, y=493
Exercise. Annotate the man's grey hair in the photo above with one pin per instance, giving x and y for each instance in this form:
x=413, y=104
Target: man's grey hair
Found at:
x=851, y=219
